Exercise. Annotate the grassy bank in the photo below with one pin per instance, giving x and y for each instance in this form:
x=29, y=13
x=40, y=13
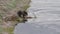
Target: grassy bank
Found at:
x=10, y=8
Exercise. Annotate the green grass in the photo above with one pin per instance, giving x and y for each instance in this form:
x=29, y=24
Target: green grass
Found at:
x=1, y=29
x=12, y=4
x=9, y=30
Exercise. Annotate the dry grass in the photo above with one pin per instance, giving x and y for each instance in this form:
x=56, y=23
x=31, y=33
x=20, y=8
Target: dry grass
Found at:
x=8, y=9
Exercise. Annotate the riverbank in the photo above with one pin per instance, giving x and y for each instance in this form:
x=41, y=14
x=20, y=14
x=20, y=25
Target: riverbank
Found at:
x=9, y=8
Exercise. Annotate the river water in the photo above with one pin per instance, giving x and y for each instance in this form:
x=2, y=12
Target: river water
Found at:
x=47, y=19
